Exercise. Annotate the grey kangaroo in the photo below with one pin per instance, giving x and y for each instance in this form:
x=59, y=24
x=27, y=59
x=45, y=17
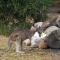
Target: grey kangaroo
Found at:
x=19, y=36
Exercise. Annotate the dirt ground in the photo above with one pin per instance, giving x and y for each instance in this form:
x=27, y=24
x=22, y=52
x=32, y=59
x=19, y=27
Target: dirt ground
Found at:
x=34, y=54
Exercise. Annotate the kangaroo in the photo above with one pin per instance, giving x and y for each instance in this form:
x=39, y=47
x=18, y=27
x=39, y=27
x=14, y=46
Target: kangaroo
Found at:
x=19, y=36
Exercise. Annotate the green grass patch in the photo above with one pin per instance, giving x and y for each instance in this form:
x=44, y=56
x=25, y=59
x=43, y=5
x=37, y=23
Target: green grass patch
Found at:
x=5, y=30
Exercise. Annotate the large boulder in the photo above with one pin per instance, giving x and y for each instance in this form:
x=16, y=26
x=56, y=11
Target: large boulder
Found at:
x=50, y=29
x=47, y=38
x=46, y=24
x=51, y=21
x=52, y=37
x=53, y=40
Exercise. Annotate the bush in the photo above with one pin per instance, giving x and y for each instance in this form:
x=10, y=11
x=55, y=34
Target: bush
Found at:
x=16, y=11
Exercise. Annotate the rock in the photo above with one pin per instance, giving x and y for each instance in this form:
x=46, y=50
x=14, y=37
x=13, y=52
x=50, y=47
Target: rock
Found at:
x=42, y=45
x=55, y=9
x=38, y=24
x=27, y=42
x=50, y=29
x=51, y=21
x=48, y=39
x=33, y=28
x=35, y=40
x=53, y=40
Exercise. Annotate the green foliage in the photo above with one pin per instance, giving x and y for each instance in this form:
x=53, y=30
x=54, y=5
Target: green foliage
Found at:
x=21, y=8
x=35, y=8
x=16, y=11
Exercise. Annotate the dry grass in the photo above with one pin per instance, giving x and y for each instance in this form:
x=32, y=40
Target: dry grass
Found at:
x=35, y=54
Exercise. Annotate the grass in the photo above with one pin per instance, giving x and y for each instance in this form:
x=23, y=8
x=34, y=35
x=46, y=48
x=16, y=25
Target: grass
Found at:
x=6, y=30
x=35, y=54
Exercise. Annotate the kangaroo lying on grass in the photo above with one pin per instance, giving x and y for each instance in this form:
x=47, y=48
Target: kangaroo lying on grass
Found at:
x=19, y=36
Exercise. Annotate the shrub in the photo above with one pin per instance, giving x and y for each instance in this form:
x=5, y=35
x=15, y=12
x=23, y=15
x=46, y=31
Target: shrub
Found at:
x=16, y=11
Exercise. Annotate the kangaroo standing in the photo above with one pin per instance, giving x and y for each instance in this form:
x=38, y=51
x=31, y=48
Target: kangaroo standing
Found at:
x=19, y=36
